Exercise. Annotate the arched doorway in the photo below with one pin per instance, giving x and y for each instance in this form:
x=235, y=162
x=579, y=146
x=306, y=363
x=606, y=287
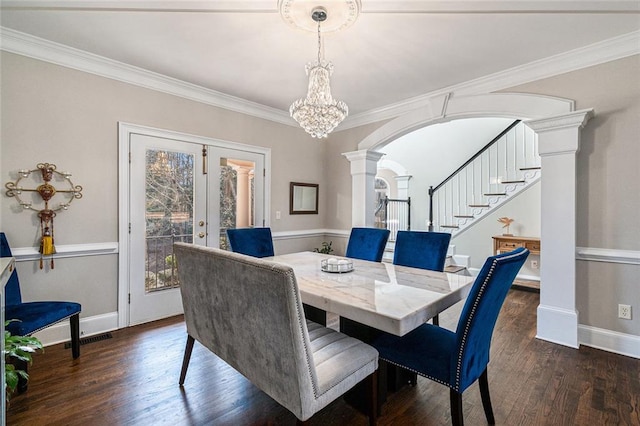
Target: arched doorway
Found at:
x=558, y=128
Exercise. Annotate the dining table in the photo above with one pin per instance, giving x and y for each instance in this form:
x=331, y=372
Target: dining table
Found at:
x=391, y=298
x=374, y=297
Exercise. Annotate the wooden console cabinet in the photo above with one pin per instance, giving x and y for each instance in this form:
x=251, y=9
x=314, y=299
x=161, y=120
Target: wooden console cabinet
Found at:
x=504, y=243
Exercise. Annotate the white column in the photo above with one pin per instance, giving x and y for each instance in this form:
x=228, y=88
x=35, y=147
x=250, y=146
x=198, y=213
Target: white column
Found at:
x=402, y=184
x=558, y=143
x=364, y=166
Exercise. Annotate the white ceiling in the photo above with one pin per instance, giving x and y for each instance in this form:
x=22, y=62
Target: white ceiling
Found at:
x=396, y=50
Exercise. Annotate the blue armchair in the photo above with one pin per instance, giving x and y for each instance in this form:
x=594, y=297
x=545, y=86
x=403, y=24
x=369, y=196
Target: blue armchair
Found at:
x=256, y=242
x=367, y=243
x=424, y=250
x=458, y=359
x=35, y=316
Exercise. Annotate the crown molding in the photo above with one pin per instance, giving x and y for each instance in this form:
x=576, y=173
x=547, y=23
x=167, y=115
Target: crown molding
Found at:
x=45, y=50
x=573, y=60
x=371, y=6
x=59, y=54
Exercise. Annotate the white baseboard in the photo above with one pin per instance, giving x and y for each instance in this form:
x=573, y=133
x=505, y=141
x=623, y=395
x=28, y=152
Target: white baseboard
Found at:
x=607, y=340
x=90, y=326
x=557, y=325
x=610, y=341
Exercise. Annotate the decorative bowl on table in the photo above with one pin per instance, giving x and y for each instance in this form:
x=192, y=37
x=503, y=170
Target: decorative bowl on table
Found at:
x=336, y=266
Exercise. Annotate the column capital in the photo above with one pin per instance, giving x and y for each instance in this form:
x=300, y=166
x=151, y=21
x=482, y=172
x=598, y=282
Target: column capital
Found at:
x=576, y=119
x=363, y=154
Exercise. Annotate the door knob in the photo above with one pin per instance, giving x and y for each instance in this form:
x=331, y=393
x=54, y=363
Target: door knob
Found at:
x=201, y=223
x=201, y=235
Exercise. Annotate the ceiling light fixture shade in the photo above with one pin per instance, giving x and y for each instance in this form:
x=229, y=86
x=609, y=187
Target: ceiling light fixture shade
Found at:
x=318, y=114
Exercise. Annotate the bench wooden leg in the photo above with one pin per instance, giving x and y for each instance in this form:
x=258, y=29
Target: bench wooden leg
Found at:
x=187, y=357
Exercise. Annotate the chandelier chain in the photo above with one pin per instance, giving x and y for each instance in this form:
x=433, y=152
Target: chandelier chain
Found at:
x=319, y=113
x=319, y=43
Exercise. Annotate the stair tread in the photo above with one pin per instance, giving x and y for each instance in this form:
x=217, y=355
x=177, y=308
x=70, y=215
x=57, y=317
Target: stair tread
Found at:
x=478, y=205
x=449, y=226
x=464, y=216
x=530, y=168
x=513, y=181
x=495, y=193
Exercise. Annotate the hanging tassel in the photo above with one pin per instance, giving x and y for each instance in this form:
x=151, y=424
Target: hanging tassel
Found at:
x=47, y=247
x=47, y=243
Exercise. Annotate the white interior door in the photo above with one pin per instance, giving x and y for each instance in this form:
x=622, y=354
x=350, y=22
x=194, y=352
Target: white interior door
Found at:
x=168, y=204
x=174, y=196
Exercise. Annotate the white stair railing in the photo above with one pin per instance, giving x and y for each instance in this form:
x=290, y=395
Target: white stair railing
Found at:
x=504, y=167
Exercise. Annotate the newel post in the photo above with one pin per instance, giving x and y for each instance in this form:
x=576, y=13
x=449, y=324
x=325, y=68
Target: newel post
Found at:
x=364, y=166
x=558, y=143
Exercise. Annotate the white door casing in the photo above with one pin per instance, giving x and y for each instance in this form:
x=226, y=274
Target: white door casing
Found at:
x=132, y=132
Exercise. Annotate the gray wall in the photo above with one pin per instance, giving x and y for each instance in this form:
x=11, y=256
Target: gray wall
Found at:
x=70, y=118
x=608, y=185
x=55, y=114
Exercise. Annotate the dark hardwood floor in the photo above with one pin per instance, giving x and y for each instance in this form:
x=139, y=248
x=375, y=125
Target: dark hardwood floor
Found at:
x=132, y=379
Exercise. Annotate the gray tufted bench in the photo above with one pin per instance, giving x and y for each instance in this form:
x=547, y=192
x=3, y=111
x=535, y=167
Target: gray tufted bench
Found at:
x=248, y=312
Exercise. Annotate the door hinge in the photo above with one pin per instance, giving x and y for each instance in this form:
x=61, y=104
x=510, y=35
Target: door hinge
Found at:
x=129, y=227
x=129, y=157
x=129, y=298
x=264, y=172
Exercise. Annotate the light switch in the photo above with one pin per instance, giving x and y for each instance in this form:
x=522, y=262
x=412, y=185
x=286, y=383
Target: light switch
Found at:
x=277, y=214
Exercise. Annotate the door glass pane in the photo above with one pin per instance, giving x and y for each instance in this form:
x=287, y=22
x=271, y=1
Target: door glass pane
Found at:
x=237, y=196
x=169, y=214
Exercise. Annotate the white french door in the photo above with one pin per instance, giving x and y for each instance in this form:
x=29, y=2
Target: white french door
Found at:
x=235, y=198
x=168, y=204
x=181, y=189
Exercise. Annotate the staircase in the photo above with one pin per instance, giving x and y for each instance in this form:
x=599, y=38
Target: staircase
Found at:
x=504, y=167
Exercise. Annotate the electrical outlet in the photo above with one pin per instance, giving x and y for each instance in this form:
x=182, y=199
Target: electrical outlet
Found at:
x=624, y=311
x=534, y=264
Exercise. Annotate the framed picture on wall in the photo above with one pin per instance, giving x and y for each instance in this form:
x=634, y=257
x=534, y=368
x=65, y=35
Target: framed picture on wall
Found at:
x=303, y=198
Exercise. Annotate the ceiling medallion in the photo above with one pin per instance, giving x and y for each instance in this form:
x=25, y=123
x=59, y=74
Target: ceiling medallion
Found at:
x=298, y=13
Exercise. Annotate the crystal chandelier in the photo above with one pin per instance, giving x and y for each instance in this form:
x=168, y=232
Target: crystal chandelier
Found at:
x=318, y=114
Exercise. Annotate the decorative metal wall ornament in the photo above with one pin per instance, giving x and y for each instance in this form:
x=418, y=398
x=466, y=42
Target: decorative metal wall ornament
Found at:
x=47, y=191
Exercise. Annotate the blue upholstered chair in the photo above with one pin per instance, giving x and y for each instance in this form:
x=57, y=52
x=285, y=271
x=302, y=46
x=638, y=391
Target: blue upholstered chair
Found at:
x=424, y=250
x=367, y=243
x=256, y=242
x=35, y=316
x=458, y=359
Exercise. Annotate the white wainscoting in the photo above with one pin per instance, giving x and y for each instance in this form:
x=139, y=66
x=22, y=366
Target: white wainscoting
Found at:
x=607, y=340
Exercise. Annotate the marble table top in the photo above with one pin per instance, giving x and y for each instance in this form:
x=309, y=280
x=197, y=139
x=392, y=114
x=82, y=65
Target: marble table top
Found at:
x=395, y=299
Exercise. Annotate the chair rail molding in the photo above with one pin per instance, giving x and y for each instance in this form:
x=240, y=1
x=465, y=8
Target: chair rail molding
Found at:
x=23, y=254
x=592, y=254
